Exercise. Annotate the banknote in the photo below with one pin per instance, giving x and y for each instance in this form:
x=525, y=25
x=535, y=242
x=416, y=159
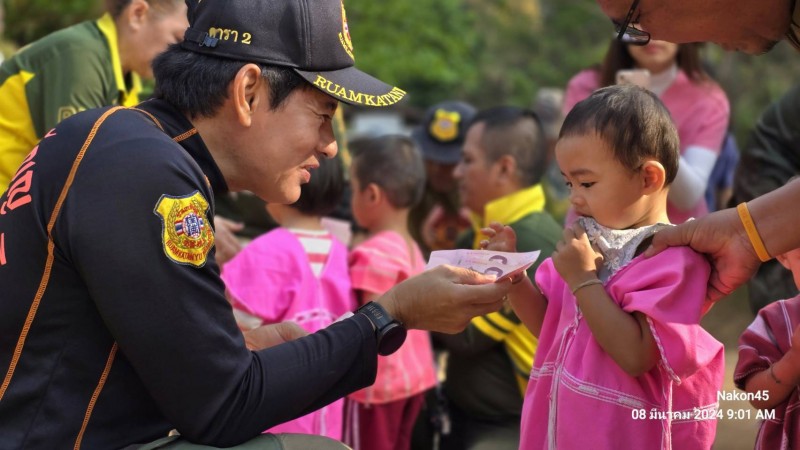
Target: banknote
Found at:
x=502, y=264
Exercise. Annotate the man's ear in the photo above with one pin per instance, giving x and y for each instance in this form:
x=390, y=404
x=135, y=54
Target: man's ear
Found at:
x=135, y=14
x=653, y=176
x=507, y=165
x=247, y=93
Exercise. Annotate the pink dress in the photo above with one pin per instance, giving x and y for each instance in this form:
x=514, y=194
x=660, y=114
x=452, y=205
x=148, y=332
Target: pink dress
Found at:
x=579, y=398
x=272, y=279
x=700, y=112
x=762, y=344
x=376, y=265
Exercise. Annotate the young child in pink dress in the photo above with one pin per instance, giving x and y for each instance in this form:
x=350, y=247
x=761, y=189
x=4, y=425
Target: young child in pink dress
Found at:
x=387, y=177
x=622, y=361
x=297, y=272
x=769, y=365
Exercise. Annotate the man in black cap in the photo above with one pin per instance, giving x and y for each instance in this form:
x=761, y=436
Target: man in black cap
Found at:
x=437, y=220
x=114, y=328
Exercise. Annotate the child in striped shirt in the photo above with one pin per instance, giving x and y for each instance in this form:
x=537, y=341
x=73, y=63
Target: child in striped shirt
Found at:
x=387, y=178
x=297, y=272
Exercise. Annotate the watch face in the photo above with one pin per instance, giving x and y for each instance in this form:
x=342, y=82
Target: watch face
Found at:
x=391, y=338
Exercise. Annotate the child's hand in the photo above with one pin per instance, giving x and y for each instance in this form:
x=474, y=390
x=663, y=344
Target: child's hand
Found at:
x=575, y=259
x=501, y=238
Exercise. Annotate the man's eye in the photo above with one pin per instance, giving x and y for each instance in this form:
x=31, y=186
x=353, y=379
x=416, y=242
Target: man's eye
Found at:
x=587, y=185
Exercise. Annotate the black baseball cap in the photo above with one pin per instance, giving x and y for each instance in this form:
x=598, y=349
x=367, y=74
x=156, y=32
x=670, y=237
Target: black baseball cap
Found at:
x=443, y=129
x=310, y=36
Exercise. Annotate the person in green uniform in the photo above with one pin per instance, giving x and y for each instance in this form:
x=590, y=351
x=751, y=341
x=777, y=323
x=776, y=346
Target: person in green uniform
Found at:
x=503, y=161
x=88, y=65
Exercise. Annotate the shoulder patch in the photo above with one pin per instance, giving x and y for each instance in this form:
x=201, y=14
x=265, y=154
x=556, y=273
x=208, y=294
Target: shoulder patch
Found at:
x=186, y=233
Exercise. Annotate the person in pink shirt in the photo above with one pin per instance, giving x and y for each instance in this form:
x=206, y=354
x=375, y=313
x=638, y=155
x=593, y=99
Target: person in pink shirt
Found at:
x=698, y=106
x=387, y=178
x=769, y=365
x=622, y=361
x=297, y=272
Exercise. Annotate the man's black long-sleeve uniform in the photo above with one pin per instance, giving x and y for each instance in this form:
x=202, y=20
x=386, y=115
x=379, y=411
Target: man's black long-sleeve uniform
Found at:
x=114, y=327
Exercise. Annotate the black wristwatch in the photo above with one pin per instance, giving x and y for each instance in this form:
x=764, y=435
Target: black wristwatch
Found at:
x=389, y=332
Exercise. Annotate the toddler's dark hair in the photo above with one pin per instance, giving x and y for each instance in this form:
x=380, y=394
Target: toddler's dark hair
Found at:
x=392, y=162
x=633, y=122
x=321, y=195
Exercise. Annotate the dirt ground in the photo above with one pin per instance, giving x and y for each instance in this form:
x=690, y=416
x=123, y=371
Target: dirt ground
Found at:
x=726, y=321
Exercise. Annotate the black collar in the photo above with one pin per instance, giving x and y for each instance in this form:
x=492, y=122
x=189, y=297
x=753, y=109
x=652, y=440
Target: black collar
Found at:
x=178, y=127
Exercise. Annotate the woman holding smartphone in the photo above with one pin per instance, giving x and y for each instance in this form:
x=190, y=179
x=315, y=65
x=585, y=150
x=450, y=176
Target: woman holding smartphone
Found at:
x=697, y=104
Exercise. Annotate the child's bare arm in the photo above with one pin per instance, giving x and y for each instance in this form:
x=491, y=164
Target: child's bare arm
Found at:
x=528, y=303
x=624, y=336
x=779, y=381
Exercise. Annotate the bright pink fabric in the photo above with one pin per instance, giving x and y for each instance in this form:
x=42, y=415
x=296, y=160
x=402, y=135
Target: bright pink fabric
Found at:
x=376, y=265
x=579, y=398
x=700, y=112
x=271, y=278
x=762, y=344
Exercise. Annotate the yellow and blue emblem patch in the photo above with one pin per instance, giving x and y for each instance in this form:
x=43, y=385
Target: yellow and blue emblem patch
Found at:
x=444, y=126
x=186, y=233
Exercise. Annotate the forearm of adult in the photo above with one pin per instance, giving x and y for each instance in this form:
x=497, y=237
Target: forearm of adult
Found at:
x=776, y=218
x=308, y=373
x=690, y=183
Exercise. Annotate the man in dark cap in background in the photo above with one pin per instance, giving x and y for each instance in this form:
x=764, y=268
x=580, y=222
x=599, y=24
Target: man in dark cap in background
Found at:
x=114, y=327
x=438, y=219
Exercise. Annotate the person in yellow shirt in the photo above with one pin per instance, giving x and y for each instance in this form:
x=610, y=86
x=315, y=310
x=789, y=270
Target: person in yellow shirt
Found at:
x=88, y=65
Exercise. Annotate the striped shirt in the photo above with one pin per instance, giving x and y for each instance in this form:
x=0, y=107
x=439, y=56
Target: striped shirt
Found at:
x=317, y=245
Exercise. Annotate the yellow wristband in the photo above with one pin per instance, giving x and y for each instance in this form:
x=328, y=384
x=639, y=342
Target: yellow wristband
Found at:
x=586, y=283
x=752, y=232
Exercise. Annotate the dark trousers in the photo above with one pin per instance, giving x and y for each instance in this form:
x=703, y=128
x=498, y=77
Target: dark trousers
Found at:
x=471, y=433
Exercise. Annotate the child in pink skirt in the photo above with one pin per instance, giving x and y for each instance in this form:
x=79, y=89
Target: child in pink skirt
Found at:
x=387, y=178
x=769, y=365
x=622, y=361
x=297, y=272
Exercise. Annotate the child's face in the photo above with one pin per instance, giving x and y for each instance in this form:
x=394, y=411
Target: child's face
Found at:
x=791, y=260
x=600, y=186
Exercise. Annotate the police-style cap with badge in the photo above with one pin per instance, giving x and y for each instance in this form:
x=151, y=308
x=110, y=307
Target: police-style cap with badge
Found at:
x=442, y=132
x=310, y=36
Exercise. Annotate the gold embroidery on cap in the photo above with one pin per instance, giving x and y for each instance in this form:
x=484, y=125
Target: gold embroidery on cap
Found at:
x=444, y=126
x=390, y=98
x=225, y=34
x=344, y=36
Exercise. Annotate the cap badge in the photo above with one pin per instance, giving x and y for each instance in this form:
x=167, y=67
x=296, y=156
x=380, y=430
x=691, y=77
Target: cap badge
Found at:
x=444, y=126
x=344, y=36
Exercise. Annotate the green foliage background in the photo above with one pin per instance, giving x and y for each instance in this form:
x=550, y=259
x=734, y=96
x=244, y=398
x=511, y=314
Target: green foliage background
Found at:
x=486, y=52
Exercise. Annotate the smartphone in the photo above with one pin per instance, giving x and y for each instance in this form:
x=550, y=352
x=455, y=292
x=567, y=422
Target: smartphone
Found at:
x=638, y=77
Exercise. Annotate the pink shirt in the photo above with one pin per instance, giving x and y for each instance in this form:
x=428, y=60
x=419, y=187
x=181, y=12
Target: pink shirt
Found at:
x=579, y=398
x=700, y=111
x=376, y=265
x=272, y=279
